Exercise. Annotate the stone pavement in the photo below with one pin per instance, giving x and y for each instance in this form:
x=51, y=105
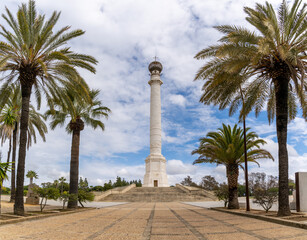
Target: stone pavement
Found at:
x=154, y=221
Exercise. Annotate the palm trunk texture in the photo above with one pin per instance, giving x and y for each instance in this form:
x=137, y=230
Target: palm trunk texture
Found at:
x=232, y=177
x=77, y=127
x=26, y=94
x=13, y=179
x=281, y=93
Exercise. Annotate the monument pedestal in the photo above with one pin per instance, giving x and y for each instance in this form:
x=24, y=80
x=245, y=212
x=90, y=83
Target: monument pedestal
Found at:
x=32, y=197
x=155, y=175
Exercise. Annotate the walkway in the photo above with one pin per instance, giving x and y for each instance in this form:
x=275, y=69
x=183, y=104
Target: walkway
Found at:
x=163, y=221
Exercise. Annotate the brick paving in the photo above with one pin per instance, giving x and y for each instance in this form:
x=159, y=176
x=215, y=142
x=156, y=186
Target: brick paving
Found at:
x=150, y=221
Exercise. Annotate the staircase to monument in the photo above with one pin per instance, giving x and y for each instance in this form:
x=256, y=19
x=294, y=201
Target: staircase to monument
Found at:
x=158, y=194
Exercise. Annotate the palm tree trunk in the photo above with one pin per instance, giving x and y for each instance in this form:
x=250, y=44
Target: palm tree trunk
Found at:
x=281, y=93
x=9, y=153
x=74, y=169
x=13, y=179
x=232, y=177
x=24, y=119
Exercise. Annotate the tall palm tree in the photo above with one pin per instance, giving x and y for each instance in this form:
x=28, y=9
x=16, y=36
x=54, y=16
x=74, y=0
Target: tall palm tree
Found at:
x=35, y=54
x=31, y=174
x=226, y=147
x=273, y=61
x=36, y=123
x=79, y=113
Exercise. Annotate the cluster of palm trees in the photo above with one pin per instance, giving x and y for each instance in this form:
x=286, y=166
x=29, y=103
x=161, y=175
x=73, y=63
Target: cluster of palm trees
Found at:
x=35, y=58
x=264, y=68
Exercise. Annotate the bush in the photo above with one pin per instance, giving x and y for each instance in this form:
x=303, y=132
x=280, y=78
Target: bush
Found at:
x=222, y=193
x=84, y=196
x=46, y=192
x=266, y=191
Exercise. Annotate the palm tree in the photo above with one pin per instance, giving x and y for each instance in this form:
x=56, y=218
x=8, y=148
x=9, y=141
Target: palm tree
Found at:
x=35, y=54
x=273, y=63
x=36, y=123
x=31, y=174
x=79, y=112
x=62, y=181
x=226, y=147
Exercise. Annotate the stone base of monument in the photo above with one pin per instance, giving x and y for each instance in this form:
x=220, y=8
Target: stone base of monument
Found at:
x=32, y=200
x=155, y=175
x=32, y=197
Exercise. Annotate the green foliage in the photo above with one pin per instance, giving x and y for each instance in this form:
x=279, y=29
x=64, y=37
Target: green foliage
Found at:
x=73, y=106
x=47, y=191
x=83, y=184
x=291, y=186
x=209, y=183
x=265, y=190
x=6, y=190
x=32, y=174
x=64, y=197
x=222, y=193
x=188, y=182
x=226, y=146
x=85, y=196
x=10, y=117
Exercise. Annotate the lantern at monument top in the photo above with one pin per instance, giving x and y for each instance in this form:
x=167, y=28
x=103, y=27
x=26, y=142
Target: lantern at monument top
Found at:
x=155, y=66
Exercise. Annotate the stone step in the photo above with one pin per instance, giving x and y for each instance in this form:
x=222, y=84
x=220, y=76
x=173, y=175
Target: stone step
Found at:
x=157, y=194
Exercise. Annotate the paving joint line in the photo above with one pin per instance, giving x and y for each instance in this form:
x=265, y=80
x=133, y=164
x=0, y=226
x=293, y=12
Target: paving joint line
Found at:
x=96, y=234
x=189, y=226
x=148, y=229
x=71, y=223
x=230, y=225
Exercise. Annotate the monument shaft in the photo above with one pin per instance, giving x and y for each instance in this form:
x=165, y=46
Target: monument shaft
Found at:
x=155, y=115
x=155, y=175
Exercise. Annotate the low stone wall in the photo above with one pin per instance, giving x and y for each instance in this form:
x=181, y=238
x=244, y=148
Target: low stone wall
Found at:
x=118, y=190
x=192, y=190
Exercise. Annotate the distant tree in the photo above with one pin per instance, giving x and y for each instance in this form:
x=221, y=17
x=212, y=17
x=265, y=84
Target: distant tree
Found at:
x=266, y=191
x=97, y=188
x=209, y=183
x=83, y=184
x=222, y=193
x=188, y=182
x=291, y=186
x=107, y=186
x=31, y=174
x=64, y=197
x=62, y=181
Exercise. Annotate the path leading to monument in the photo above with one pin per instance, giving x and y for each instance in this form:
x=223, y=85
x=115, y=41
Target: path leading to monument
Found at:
x=154, y=221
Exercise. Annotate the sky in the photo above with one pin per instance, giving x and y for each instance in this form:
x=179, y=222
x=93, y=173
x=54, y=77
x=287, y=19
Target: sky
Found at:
x=125, y=36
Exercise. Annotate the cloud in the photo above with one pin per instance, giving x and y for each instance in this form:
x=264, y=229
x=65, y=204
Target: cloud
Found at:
x=177, y=99
x=125, y=36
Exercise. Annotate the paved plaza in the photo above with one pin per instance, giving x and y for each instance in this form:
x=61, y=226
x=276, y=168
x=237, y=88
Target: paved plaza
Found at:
x=154, y=221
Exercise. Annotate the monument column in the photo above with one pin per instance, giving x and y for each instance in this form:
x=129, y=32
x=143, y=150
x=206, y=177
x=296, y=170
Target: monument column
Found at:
x=155, y=175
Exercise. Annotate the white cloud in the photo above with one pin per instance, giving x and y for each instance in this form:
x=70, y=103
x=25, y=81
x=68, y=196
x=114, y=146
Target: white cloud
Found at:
x=125, y=36
x=177, y=99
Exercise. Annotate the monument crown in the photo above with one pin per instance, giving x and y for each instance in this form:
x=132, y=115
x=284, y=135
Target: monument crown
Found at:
x=155, y=66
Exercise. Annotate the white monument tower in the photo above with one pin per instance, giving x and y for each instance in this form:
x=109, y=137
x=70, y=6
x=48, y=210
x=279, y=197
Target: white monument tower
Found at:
x=155, y=175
